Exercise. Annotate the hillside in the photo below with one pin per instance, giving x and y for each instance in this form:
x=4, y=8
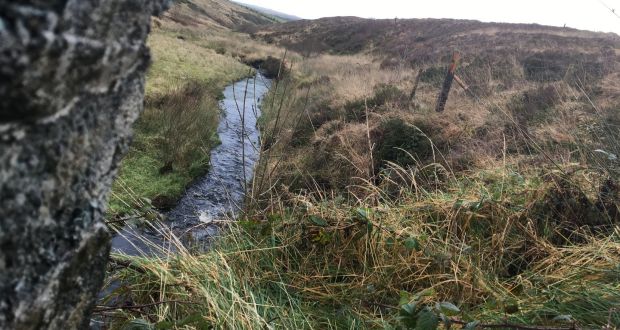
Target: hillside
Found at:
x=282, y=16
x=216, y=14
x=421, y=40
x=539, y=53
x=485, y=204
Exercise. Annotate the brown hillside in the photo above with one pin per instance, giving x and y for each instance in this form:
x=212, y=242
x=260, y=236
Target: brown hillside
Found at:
x=421, y=39
x=540, y=53
x=218, y=14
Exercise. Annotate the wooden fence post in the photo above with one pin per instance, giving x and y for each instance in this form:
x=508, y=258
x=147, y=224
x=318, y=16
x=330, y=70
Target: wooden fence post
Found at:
x=447, y=84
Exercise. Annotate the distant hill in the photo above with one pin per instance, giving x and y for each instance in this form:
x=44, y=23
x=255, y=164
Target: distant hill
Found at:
x=426, y=41
x=277, y=14
x=218, y=14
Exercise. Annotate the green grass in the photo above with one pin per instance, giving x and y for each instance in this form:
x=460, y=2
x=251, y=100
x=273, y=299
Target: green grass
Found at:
x=189, y=60
x=170, y=149
x=140, y=177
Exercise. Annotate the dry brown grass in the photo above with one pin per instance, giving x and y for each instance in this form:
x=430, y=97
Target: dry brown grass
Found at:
x=353, y=77
x=511, y=119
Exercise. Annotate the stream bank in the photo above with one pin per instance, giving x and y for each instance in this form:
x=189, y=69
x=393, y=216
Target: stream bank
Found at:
x=219, y=195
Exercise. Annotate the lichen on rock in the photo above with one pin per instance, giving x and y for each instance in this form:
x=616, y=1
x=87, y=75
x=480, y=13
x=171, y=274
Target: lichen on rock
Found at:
x=71, y=85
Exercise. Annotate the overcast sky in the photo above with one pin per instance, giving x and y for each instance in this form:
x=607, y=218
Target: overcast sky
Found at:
x=582, y=14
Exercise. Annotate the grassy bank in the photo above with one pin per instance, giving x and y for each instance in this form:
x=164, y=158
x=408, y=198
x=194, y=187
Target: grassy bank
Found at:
x=315, y=262
x=175, y=133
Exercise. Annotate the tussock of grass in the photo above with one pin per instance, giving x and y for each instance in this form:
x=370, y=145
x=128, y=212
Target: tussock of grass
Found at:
x=214, y=290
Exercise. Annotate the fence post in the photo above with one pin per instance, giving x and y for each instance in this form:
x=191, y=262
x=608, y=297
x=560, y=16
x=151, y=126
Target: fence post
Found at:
x=447, y=84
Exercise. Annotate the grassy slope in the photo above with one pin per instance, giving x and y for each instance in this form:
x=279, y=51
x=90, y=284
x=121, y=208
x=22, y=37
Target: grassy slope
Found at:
x=186, y=49
x=518, y=226
x=490, y=204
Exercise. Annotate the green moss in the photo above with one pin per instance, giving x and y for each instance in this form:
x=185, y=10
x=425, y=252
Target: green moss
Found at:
x=140, y=176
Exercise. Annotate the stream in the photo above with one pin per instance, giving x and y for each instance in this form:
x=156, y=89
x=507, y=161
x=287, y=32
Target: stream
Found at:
x=220, y=194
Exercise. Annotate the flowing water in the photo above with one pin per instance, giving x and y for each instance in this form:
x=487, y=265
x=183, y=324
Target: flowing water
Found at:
x=220, y=194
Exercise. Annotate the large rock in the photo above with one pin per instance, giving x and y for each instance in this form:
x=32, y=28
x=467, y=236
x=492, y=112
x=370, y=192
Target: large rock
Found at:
x=71, y=84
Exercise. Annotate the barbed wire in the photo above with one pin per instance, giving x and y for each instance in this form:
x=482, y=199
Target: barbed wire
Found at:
x=612, y=10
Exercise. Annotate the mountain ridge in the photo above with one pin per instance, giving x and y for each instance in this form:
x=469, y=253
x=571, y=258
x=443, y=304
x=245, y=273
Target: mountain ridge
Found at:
x=217, y=14
x=350, y=34
x=284, y=16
